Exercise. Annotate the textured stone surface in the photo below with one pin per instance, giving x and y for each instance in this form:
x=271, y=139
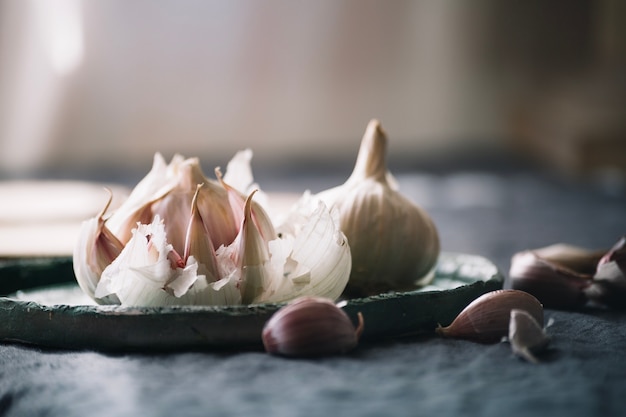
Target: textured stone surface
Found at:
x=44, y=317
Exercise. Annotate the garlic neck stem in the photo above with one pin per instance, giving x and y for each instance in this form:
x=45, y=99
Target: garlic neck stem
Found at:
x=370, y=162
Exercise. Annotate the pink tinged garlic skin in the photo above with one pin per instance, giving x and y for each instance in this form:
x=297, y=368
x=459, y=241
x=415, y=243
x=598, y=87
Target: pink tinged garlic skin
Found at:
x=143, y=274
x=252, y=256
x=554, y=284
x=238, y=203
x=526, y=335
x=100, y=248
x=198, y=243
x=486, y=319
x=311, y=326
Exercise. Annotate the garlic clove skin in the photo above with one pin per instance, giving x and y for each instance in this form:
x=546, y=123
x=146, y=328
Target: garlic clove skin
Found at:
x=486, y=319
x=394, y=243
x=526, y=336
x=198, y=243
x=311, y=258
x=95, y=249
x=575, y=258
x=143, y=275
x=251, y=257
x=238, y=203
x=609, y=281
x=309, y=327
x=554, y=285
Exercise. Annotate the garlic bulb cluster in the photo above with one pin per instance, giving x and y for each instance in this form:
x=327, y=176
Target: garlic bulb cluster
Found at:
x=394, y=243
x=181, y=238
x=310, y=326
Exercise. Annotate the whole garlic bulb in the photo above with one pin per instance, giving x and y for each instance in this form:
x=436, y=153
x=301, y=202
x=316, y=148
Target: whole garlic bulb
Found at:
x=394, y=243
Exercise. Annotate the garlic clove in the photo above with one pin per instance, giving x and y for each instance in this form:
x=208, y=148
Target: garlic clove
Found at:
x=237, y=202
x=526, y=336
x=394, y=243
x=95, y=249
x=486, y=319
x=135, y=209
x=198, y=242
x=575, y=258
x=252, y=256
x=175, y=206
x=555, y=285
x=310, y=326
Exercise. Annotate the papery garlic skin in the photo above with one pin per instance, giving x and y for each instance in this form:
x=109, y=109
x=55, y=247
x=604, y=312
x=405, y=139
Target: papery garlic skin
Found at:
x=143, y=275
x=394, y=243
x=168, y=191
x=98, y=248
x=554, y=285
x=526, y=335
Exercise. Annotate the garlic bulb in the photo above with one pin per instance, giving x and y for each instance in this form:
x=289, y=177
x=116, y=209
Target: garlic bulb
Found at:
x=394, y=243
x=181, y=238
x=486, y=319
x=311, y=326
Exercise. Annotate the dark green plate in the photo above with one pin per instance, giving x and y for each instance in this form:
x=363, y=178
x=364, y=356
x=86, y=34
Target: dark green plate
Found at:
x=42, y=305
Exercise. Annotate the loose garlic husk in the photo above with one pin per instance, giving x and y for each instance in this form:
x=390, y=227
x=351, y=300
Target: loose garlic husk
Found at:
x=526, y=335
x=486, y=319
x=394, y=243
x=609, y=281
x=310, y=326
x=576, y=258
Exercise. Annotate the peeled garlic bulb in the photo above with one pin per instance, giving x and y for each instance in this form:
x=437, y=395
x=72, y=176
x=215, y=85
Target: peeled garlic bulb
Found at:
x=394, y=243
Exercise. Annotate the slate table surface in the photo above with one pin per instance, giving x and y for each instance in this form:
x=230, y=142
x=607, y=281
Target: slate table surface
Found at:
x=493, y=213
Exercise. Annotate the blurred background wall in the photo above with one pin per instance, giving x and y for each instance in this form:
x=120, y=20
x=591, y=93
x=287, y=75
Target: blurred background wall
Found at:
x=87, y=85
